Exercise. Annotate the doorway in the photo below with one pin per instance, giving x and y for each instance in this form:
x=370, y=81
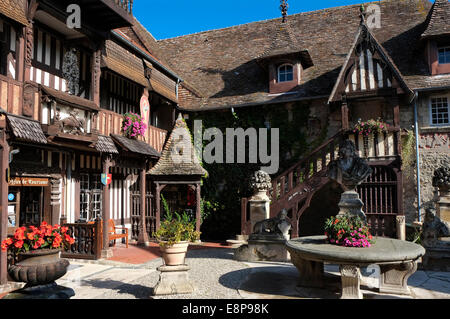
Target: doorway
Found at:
x=26, y=205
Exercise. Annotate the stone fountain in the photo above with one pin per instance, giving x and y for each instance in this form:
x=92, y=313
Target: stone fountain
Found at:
x=397, y=259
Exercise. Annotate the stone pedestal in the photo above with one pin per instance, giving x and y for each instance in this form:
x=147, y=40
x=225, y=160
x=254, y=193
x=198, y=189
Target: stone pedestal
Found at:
x=443, y=206
x=394, y=278
x=351, y=282
x=259, y=208
x=263, y=249
x=352, y=205
x=311, y=273
x=51, y=291
x=107, y=253
x=173, y=280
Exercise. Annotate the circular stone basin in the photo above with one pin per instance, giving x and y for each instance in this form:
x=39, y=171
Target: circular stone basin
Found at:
x=384, y=251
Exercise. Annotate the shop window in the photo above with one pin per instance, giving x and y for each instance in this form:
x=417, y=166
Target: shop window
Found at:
x=440, y=111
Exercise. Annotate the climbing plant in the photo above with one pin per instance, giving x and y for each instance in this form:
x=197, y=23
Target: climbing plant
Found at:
x=227, y=184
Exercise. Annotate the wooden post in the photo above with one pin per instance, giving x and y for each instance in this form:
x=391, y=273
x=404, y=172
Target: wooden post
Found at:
x=198, y=214
x=143, y=235
x=345, y=123
x=158, y=206
x=96, y=74
x=4, y=164
x=106, y=252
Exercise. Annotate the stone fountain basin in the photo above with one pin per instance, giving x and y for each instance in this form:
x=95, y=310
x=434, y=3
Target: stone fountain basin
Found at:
x=397, y=261
x=384, y=251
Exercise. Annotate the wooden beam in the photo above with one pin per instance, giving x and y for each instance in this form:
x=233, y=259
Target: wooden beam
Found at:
x=106, y=210
x=4, y=164
x=143, y=238
x=199, y=210
x=345, y=122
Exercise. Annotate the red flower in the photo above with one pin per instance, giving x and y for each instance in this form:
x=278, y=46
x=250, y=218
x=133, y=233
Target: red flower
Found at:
x=30, y=236
x=19, y=244
x=64, y=230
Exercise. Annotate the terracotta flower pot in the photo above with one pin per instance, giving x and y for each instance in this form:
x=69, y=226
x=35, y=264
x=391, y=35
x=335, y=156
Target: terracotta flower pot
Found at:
x=174, y=255
x=40, y=267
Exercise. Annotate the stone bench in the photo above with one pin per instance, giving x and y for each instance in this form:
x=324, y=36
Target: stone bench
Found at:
x=397, y=261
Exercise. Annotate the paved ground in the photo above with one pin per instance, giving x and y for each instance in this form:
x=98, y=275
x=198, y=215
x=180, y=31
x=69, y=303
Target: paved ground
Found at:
x=217, y=276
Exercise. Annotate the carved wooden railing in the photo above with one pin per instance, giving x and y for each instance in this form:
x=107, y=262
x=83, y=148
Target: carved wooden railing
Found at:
x=109, y=122
x=150, y=215
x=377, y=146
x=127, y=5
x=88, y=241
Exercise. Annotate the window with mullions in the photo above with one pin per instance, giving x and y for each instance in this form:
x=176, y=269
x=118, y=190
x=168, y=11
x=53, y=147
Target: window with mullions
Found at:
x=285, y=73
x=440, y=111
x=90, y=196
x=444, y=55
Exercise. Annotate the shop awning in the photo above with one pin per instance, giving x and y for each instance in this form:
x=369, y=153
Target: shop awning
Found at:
x=135, y=146
x=106, y=144
x=26, y=129
x=69, y=100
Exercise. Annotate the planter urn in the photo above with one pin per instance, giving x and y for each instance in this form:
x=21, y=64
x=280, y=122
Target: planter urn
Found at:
x=40, y=267
x=175, y=254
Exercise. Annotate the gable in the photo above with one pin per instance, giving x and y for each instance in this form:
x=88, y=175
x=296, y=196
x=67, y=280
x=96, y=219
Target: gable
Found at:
x=368, y=67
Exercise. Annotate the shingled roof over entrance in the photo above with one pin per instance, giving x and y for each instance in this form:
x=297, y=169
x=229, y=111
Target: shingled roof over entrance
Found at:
x=222, y=63
x=179, y=143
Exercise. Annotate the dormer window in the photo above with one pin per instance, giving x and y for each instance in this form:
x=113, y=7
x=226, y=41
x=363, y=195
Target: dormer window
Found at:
x=285, y=73
x=444, y=55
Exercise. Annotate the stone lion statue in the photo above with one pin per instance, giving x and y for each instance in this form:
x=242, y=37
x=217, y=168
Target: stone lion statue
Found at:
x=434, y=228
x=278, y=226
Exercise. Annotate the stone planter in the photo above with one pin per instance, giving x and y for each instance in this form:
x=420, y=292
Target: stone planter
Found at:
x=174, y=255
x=40, y=267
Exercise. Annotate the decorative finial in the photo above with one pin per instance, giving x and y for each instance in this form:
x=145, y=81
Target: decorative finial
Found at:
x=362, y=14
x=284, y=9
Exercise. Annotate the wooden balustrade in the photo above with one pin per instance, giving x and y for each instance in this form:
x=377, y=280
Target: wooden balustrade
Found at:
x=377, y=146
x=109, y=122
x=127, y=5
x=88, y=241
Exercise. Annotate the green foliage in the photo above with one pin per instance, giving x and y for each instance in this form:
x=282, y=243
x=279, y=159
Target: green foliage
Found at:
x=175, y=228
x=408, y=153
x=228, y=183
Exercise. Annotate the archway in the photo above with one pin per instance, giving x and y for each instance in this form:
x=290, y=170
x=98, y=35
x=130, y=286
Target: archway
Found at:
x=324, y=205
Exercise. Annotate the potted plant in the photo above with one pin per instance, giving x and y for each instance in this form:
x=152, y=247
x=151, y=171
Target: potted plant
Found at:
x=174, y=236
x=133, y=126
x=348, y=231
x=37, y=252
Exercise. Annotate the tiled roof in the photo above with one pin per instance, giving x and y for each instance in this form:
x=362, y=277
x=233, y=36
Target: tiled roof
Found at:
x=135, y=146
x=105, y=144
x=222, y=63
x=68, y=99
x=26, y=130
x=14, y=9
x=439, y=19
x=176, y=159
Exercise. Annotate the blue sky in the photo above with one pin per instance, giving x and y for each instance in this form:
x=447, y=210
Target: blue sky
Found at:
x=171, y=18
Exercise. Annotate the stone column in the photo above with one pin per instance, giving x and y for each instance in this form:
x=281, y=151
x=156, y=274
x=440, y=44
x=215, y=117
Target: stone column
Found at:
x=4, y=164
x=351, y=282
x=143, y=235
x=106, y=251
x=401, y=227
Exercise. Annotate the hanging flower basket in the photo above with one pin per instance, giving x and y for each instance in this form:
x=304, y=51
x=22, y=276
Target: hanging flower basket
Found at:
x=348, y=231
x=133, y=126
x=366, y=128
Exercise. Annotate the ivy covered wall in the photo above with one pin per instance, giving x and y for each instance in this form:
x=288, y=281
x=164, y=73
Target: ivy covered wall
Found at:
x=228, y=183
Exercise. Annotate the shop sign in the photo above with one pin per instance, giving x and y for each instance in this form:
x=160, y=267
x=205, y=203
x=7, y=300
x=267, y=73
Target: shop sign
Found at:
x=28, y=182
